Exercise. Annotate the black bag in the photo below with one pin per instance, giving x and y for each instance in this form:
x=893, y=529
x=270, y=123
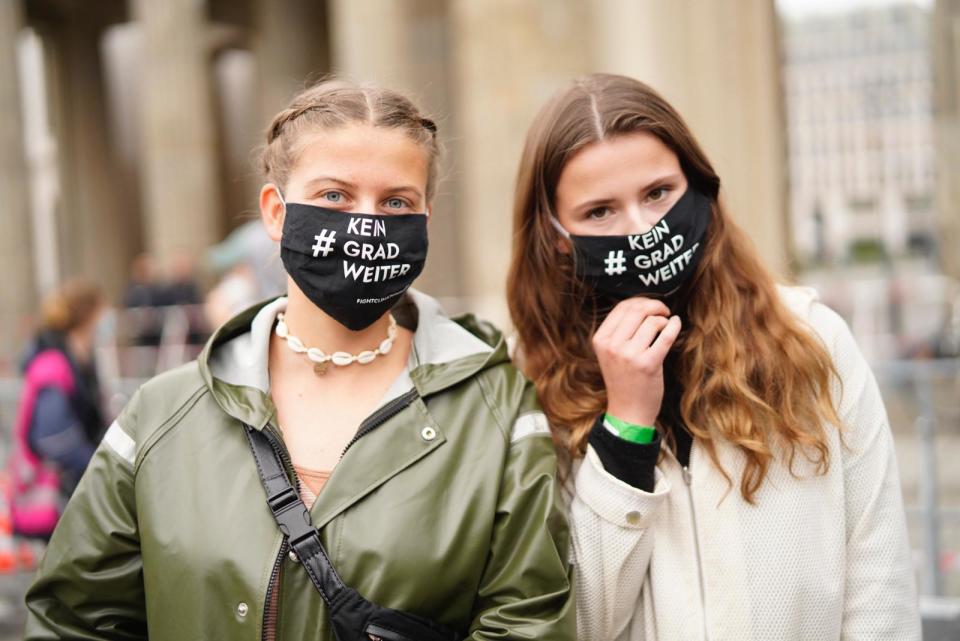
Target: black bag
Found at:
x=353, y=617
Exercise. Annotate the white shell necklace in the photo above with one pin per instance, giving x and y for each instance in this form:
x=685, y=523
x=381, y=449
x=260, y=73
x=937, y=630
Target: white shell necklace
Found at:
x=341, y=359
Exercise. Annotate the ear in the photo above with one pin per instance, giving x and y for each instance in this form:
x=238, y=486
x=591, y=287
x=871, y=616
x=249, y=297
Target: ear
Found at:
x=272, y=211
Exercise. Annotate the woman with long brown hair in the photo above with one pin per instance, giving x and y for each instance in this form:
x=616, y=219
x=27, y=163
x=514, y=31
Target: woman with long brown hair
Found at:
x=734, y=470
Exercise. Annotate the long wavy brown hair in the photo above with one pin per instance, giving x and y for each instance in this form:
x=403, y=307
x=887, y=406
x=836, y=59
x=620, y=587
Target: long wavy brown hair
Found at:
x=752, y=373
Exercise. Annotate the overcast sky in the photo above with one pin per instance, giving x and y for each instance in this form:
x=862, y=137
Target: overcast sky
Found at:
x=800, y=8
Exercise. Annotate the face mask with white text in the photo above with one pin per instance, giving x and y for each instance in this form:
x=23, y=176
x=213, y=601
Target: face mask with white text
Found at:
x=656, y=263
x=352, y=266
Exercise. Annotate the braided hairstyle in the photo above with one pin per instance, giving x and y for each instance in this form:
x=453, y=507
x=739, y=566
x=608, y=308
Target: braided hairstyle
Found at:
x=335, y=102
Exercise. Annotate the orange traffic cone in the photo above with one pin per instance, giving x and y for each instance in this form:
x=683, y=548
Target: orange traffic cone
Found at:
x=8, y=556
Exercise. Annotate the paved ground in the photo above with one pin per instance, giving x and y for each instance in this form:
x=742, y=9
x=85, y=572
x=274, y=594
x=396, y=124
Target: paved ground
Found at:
x=12, y=588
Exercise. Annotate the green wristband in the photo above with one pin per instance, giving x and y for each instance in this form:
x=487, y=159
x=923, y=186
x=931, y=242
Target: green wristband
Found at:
x=628, y=431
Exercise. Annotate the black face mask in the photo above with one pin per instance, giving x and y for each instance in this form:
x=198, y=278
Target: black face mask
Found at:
x=352, y=266
x=656, y=263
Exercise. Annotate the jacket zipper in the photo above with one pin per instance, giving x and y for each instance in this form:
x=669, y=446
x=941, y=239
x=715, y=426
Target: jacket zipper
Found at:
x=270, y=613
x=270, y=610
x=381, y=416
x=688, y=479
x=373, y=421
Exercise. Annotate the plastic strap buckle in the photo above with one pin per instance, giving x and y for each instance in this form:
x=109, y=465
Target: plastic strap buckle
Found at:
x=292, y=516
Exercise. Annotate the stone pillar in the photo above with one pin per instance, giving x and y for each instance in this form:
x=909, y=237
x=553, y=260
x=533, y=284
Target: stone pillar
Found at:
x=718, y=63
x=509, y=56
x=292, y=47
x=97, y=237
x=16, y=261
x=289, y=49
x=946, y=55
x=404, y=45
x=181, y=187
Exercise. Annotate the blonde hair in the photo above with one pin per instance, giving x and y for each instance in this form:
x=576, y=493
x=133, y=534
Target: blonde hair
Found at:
x=71, y=305
x=333, y=103
x=751, y=373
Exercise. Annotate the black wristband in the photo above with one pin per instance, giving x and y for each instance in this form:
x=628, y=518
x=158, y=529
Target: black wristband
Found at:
x=632, y=463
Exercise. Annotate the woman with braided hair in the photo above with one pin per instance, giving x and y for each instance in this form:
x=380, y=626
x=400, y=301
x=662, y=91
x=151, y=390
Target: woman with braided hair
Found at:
x=343, y=462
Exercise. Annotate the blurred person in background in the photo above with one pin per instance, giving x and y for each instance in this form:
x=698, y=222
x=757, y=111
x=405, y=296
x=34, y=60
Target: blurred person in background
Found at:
x=735, y=473
x=142, y=296
x=249, y=270
x=250, y=245
x=235, y=291
x=143, y=289
x=59, y=421
x=182, y=290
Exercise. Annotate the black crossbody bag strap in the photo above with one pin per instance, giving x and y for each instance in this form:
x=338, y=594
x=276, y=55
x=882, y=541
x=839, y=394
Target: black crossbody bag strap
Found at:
x=352, y=616
x=293, y=517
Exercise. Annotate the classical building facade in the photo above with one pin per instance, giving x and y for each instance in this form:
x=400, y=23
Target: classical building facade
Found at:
x=946, y=56
x=859, y=95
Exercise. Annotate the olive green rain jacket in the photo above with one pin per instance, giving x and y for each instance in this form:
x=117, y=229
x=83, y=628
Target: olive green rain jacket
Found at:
x=445, y=504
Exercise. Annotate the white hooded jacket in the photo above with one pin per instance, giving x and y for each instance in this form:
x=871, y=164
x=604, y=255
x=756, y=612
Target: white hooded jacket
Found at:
x=818, y=558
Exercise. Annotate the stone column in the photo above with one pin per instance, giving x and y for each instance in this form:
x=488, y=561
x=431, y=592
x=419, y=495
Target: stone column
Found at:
x=946, y=53
x=292, y=47
x=718, y=63
x=16, y=260
x=181, y=187
x=405, y=45
x=509, y=57
x=98, y=238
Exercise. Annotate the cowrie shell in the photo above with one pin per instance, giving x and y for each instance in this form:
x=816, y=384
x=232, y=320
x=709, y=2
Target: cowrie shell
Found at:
x=342, y=358
x=366, y=357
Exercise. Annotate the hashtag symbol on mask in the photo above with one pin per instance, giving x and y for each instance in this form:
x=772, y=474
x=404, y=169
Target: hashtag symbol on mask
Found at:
x=325, y=242
x=615, y=262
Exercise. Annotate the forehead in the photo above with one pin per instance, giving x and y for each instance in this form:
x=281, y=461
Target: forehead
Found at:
x=362, y=154
x=617, y=162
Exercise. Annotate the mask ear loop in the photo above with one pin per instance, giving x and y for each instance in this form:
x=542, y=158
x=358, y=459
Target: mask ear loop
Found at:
x=280, y=194
x=559, y=227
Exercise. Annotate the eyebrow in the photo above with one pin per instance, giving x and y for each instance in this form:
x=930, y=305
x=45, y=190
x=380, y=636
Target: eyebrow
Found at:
x=662, y=179
x=314, y=182
x=406, y=188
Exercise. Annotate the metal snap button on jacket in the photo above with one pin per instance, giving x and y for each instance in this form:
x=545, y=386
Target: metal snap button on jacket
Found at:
x=242, y=609
x=428, y=433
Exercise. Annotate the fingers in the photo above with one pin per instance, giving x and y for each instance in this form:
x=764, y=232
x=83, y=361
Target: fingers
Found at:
x=665, y=340
x=651, y=326
x=623, y=321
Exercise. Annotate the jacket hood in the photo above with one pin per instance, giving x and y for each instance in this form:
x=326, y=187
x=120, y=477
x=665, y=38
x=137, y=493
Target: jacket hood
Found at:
x=445, y=351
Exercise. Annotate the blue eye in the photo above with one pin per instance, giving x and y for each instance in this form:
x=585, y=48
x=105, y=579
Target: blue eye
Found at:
x=333, y=196
x=396, y=203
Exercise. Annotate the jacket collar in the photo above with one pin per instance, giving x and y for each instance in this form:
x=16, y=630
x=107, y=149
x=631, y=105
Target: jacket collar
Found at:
x=445, y=352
